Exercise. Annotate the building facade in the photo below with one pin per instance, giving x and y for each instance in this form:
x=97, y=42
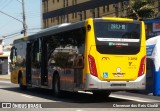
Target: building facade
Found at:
x=153, y=25
x=61, y=11
x=4, y=59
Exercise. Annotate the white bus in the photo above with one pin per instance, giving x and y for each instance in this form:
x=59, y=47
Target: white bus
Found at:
x=153, y=65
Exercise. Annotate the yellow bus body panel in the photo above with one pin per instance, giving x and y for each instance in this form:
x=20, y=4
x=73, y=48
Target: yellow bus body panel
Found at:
x=128, y=64
x=108, y=63
x=14, y=75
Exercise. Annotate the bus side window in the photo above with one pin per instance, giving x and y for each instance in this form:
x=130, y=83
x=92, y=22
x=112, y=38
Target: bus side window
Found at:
x=78, y=61
x=36, y=54
x=13, y=55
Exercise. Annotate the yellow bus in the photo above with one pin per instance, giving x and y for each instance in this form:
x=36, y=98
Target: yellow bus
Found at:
x=99, y=55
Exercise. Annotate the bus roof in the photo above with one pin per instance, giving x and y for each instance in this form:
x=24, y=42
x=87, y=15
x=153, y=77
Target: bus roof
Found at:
x=118, y=19
x=57, y=29
x=69, y=26
x=22, y=38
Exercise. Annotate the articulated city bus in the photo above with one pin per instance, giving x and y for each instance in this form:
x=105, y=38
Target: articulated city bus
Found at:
x=97, y=55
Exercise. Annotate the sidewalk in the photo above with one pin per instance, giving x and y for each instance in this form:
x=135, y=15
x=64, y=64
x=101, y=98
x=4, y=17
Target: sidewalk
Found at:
x=4, y=77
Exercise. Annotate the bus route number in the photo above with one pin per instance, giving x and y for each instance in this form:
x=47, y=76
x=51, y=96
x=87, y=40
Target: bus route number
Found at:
x=117, y=27
x=132, y=58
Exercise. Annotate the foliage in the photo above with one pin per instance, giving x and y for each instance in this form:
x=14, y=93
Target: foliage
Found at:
x=141, y=9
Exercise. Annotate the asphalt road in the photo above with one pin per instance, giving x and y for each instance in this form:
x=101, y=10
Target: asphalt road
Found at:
x=117, y=101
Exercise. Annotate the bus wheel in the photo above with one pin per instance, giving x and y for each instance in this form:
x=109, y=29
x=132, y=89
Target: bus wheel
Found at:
x=56, y=86
x=21, y=86
x=101, y=94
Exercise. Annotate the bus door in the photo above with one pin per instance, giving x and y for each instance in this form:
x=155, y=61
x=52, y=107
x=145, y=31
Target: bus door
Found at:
x=149, y=76
x=28, y=63
x=36, y=63
x=78, y=70
x=44, y=61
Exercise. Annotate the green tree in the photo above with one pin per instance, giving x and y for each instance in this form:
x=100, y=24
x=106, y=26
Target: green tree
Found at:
x=141, y=9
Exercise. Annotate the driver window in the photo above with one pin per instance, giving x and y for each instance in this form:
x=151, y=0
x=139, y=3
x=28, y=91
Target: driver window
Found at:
x=13, y=55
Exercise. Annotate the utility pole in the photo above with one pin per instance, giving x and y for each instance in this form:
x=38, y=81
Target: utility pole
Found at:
x=24, y=19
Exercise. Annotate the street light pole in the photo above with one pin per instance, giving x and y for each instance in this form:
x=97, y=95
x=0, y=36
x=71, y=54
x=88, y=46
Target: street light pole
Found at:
x=24, y=19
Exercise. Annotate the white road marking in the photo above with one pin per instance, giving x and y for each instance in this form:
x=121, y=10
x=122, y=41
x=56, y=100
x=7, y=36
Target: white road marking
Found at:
x=28, y=96
x=85, y=92
x=138, y=99
x=132, y=98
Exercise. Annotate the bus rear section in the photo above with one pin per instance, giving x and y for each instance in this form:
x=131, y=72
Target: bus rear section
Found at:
x=116, y=56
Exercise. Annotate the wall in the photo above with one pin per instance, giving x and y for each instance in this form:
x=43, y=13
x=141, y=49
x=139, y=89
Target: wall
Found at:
x=61, y=11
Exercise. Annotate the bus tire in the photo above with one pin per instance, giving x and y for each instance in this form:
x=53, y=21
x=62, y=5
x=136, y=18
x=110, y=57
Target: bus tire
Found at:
x=21, y=86
x=56, y=86
x=101, y=94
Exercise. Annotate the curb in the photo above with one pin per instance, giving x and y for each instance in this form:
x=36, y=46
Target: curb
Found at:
x=2, y=77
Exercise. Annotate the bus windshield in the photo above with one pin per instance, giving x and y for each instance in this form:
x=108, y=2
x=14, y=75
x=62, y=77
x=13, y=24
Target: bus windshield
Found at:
x=117, y=37
x=117, y=30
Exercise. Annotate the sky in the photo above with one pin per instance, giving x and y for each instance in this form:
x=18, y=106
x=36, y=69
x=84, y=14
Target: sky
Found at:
x=10, y=28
